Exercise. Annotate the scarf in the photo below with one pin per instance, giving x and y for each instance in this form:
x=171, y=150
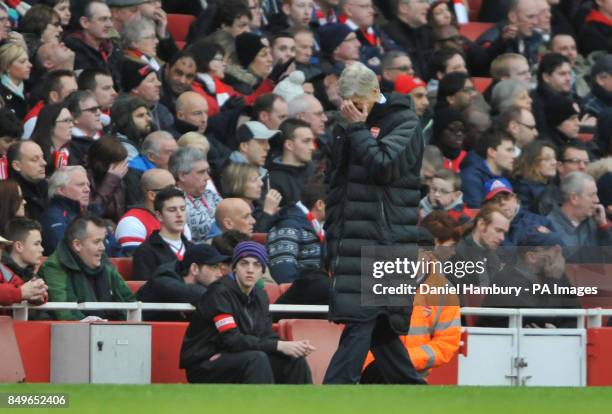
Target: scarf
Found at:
x=318, y=227
x=16, y=89
x=595, y=16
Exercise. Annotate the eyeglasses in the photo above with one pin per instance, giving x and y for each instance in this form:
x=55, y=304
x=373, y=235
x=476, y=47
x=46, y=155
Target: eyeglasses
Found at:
x=65, y=120
x=576, y=161
x=530, y=127
x=93, y=109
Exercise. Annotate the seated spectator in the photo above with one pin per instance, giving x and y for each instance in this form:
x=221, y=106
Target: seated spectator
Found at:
x=308, y=108
x=510, y=93
x=289, y=172
x=449, y=135
x=191, y=172
x=554, y=83
x=253, y=67
x=600, y=98
x=132, y=122
x=12, y=287
x=445, y=233
x=26, y=165
x=519, y=123
x=539, y=260
x=477, y=123
x=296, y=241
x=480, y=243
x=596, y=32
x=433, y=161
x=87, y=124
x=441, y=63
x=408, y=29
x=253, y=146
x=271, y=110
x=456, y=90
x=292, y=13
x=53, y=133
x=53, y=56
x=508, y=66
x=501, y=195
x=78, y=271
x=564, y=44
x=393, y=64
x=139, y=42
x=41, y=24
x=166, y=48
x=244, y=181
x=155, y=152
x=339, y=46
x=182, y=282
x=53, y=87
x=62, y=8
x=493, y=157
x=13, y=203
x=515, y=34
x=563, y=122
x=24, y=255
x=225, y=244
x=91, y=41
x=535, y=169
x=10, y=132
x=282, y=47
x=191, y=113
x=178, y=75
x=167, y=244
x=106, y=166
x=14, y=70
x=140, y=221
x=194, y=140
x=100, y=82
x=304, y=45
x=69, y=196
x=580, y=220
x=235, y=214
x=220, y=324
x=444, y=193
x=417, y=89
x=573, y=157
x=440, y=15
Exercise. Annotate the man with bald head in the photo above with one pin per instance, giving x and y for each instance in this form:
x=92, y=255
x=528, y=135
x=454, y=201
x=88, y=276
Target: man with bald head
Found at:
x=53, y=56
x=235, y=214
x=139, y=222
x=191, y=113
x=516, y=34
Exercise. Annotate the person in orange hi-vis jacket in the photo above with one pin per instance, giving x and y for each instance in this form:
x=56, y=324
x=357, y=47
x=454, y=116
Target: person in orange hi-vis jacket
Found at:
x=435, y=330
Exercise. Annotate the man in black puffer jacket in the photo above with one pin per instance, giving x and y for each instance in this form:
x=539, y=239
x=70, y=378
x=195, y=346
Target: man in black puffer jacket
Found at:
x=373, y=201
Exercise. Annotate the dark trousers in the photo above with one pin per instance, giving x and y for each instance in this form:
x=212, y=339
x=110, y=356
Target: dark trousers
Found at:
x=251, y=367
x=376, y=335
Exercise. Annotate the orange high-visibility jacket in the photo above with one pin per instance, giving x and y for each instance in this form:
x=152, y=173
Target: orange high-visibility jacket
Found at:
x=435, y=329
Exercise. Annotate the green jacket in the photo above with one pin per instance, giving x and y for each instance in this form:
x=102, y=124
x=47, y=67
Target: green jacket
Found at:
x=68, y=282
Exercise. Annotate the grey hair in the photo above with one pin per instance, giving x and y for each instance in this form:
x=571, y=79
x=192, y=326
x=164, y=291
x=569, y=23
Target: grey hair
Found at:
x=573, y=183
x=357, y=80
x=61, y=178
x=298, y=105
x=389, y=57
x=132, y=33
x=505, y=92
x=152, y=141
x=182, y=161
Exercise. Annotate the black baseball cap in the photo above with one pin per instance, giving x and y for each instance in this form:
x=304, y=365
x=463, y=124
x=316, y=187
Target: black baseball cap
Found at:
x=202, y=254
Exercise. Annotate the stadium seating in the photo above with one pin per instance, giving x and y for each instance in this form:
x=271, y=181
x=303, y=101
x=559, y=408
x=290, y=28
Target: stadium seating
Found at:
x=273, y=291
x=11, y=367
x=481, y=84
x=260, y=238
x=474, y=9
x=178, y=26
x=585, y=137
x=473, y=30
x=134, y=285
x=124, y=266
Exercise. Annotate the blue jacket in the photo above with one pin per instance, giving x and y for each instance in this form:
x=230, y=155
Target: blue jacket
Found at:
x=55, y=219
x=293, y=245
x=528, y=191
x=523, y=223
x=141, y=163
x=473, y=179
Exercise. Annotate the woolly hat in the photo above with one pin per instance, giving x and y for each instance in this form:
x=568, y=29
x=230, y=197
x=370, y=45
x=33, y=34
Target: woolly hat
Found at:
x=442, y=118
x=121, y=111
x=541, y=237
x=331, y=36
x=133, y=73
x=250, y=249
x=558, y=110
x=406, y=83
x=602, y=65
x=291, y=86
x=248, y=46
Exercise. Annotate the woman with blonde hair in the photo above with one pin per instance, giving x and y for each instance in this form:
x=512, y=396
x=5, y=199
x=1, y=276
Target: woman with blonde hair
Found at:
x=535, y=169
x=194, y=139
x=15, y=68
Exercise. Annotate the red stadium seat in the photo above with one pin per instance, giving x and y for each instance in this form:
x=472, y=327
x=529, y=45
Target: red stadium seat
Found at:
x=474, y=29
x=11, y=366
x=260, y=238
x=124, y=266
x=180, y=44
x=322, y=334
x=178, y=26
x=273, y=291
x=585, y=137
x=134, y=285
x=284, y=287
x=481, y=84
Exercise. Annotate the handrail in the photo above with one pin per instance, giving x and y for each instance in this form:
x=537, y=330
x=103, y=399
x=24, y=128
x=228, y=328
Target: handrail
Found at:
x=134, y=309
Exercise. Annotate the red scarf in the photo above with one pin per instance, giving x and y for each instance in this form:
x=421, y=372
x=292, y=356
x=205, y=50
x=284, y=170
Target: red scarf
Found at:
x=60, y=158
x=598, y=17
x=318, y=228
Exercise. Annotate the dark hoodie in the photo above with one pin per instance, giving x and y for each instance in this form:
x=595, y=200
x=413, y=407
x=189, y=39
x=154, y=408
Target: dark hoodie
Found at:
x=288, y=180
x=87, y=57
x=168, y=286
x=35, y=194
x=473, y=179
